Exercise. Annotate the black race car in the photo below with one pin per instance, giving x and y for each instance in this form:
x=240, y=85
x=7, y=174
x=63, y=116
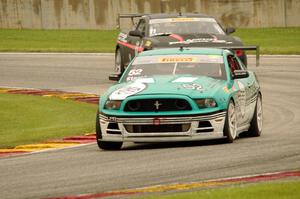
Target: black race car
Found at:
x=154, y=31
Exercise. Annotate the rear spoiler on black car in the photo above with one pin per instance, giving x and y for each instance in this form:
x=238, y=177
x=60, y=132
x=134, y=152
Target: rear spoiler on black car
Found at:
x=131, y=16
x=245, y=48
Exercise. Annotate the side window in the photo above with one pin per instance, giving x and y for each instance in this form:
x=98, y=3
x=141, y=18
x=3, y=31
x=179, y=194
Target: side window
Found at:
x=142, y=26
x=233, y=63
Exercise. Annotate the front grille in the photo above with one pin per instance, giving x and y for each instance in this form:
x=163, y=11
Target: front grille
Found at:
x=155, y=105
x=157, y=128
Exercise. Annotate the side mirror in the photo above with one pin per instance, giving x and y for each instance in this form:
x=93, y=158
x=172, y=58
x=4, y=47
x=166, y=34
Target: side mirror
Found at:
x=239, y=74
x=136, y=33
x=114, y=77
x=229, y=30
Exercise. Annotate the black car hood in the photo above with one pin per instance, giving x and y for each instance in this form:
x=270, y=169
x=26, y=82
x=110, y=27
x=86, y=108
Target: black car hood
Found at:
x=194, y=40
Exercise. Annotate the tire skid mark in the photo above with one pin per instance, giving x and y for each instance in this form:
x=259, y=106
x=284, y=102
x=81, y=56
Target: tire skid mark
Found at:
x=189, y=186
x=51, y=144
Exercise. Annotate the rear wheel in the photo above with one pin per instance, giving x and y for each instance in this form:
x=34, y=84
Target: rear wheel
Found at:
x=230, y=128
x=104, y=144
x=257, y=120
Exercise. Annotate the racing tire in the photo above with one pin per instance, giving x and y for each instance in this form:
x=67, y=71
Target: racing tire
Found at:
x=104, y=145
x=257, y=120
x=230, y=127
x=119, y=65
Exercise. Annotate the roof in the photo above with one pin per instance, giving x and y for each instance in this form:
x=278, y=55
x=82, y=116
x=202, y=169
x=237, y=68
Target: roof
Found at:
x=173, y=15
x=170, y=51
x=165, y=15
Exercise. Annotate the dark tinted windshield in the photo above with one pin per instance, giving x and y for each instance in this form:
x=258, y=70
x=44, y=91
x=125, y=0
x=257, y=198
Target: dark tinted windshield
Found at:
x=184, y=26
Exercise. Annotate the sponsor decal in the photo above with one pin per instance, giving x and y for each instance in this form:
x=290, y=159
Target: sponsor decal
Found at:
x=184, y=79
x=242, y=98
x=123, y=93
x=176, y=59
x=226, y=90
x=148, y=43
x=135, y=72
x=132, y=78
x=193, y=86
x=182, y=19
x=201, y=40
x=122, y=37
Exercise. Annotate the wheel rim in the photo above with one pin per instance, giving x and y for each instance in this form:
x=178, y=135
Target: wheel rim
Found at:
x=259, y=114
x=232, y=120
x=118, y=62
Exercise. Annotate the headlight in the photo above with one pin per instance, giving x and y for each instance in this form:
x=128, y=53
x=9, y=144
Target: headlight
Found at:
x=113, y=104
x=206, y=103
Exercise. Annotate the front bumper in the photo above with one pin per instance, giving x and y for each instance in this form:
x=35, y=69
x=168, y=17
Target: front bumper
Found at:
x=201, y=127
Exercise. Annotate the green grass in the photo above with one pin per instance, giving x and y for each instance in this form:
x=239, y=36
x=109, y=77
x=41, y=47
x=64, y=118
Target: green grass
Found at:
x=271, y=40
x=26, y=119
x=57, y=40
x=268, y=190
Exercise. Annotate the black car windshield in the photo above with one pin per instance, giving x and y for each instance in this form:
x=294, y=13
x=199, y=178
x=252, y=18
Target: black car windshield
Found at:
x=184, y=26
x=195, y=65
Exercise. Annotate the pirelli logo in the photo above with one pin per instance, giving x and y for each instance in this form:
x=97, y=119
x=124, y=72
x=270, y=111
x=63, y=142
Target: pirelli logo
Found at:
x=182, y=19
x=176, y=59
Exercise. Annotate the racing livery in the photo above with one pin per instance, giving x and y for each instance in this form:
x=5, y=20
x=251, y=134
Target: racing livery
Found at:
x=156, y=31
x=180, y=94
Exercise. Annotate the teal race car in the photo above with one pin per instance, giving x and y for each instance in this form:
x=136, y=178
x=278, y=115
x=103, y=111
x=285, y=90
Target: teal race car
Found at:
x=180, y=94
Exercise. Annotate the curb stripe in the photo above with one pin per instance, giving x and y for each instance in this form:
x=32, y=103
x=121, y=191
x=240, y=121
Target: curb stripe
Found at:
x=52, y=144
x=188, y=186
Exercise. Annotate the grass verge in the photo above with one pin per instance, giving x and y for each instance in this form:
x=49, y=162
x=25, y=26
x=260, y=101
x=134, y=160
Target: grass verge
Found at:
x=271, y=40
x=267, y=190
x=26, y=119
x=18, y=40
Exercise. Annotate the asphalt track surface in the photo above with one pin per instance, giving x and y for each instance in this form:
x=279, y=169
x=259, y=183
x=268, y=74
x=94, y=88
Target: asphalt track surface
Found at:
x=87, y=169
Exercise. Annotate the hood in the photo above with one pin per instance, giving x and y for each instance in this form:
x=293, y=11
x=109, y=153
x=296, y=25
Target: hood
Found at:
x=192, y=86
x=194, y=40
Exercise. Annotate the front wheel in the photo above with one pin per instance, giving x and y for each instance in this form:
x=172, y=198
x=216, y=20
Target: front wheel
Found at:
x=104, y=144
x=257, y=120
x=230, y=128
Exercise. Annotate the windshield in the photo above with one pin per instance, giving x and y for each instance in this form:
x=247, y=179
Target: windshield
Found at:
x=196, y=65
x=184, y=26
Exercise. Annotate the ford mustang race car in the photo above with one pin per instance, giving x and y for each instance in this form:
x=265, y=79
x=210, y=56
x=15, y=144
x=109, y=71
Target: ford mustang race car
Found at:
x=155, y=31
x=180, y=94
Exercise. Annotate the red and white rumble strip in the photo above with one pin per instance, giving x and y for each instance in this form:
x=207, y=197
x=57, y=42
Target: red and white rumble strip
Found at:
x=72, y=141
x=189, y=186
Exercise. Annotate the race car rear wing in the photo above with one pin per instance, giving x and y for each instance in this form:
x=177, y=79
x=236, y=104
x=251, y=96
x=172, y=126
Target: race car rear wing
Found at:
x=131, y=16
x=245, y=48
